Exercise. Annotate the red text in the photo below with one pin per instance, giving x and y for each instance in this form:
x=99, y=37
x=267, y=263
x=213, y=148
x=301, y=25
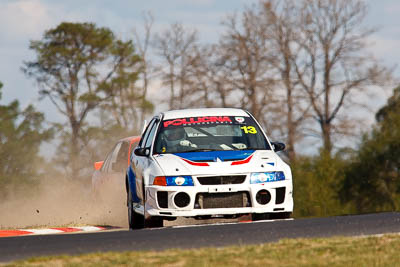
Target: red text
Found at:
x=212, y=119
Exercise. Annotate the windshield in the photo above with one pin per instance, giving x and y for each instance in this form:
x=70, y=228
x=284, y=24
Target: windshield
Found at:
x=209, y=134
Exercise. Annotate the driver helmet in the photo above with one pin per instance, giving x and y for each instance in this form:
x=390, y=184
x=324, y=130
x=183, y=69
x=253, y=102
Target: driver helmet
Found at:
x=175, y=136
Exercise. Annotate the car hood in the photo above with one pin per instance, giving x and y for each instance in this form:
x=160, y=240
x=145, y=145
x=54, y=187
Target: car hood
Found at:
x=217, y=162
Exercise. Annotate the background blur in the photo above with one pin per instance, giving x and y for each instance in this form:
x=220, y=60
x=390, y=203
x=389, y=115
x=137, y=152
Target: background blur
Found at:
x=319, y=75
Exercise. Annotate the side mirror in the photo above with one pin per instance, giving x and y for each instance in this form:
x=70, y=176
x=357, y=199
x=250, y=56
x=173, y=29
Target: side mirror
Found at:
x=142, y=151
x=98, y=165
x=278, y=146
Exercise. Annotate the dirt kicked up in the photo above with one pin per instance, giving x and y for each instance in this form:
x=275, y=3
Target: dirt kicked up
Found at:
x=60, y=202
x=67, y=203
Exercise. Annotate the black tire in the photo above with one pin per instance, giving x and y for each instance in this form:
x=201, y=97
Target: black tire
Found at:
x=136, y=221
x=154, y=222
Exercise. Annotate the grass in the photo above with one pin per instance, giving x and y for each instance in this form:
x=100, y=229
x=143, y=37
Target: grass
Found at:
x=337, y=251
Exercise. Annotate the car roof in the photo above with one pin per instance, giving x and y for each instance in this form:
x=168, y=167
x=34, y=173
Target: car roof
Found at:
x=199, y=112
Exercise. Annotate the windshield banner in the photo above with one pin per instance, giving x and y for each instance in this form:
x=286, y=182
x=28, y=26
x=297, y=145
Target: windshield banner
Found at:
x=204, y=120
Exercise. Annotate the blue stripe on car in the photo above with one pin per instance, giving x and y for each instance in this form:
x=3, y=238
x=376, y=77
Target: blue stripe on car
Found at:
x=223, y=155
x=132, y=184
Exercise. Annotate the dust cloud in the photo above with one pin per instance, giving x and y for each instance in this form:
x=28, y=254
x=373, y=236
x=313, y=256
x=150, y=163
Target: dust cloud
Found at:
x=63, y=202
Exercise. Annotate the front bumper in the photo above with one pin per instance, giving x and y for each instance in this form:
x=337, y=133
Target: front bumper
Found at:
x=226, y=199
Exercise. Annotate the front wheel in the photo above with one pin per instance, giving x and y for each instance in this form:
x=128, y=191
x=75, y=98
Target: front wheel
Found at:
x=136, y=221
x=154, y=222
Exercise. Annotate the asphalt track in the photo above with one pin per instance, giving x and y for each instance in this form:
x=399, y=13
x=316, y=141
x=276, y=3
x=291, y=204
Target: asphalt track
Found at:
x=12, y=248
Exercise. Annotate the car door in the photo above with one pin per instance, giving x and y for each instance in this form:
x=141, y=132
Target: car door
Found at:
x=115, y=180
x=101, y=176
x=140, y=163
x=109, y=170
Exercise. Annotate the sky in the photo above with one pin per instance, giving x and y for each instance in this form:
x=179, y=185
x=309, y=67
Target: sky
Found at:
x=25, y=20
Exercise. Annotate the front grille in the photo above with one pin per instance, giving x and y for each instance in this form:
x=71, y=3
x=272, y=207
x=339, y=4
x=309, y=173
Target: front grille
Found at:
x=280, y=195
x=216, y=180
x=222, y=200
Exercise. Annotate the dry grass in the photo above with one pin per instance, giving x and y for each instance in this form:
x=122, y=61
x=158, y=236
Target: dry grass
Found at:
x=337, y=251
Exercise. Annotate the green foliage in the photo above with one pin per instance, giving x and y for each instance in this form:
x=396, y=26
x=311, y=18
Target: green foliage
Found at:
x=366, y=181
x=21, y=134
x=373, y=178
x=316, y=182
x=81, y=67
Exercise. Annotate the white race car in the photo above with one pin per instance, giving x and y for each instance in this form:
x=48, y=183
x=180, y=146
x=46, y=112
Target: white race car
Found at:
x=205, y=163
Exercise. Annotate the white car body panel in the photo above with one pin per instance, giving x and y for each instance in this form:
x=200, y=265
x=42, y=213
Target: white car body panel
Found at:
x=261, y=161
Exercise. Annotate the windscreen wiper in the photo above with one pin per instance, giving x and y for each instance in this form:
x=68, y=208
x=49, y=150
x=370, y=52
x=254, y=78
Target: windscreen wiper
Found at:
x=210, y=135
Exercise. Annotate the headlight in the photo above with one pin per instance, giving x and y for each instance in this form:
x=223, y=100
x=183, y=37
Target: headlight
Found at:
x=265, y=177
x=183, y=180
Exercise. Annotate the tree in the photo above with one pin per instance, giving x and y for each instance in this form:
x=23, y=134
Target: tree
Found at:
x=247, y=58
x=148, y=70
x=79, y=66
x=208, y=79
x=127, y=103
x=282, y=31
x=176, y=46
x=373, y=178
x=317, y=184
x=336, y=67
x=21, y=134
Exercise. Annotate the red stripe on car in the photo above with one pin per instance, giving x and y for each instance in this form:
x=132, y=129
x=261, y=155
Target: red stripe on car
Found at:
x=195, y=163
x=238, y=162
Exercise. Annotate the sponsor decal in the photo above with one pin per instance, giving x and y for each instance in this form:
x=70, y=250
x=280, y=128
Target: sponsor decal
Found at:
x=249, y=129
x=197, y=120
x=239, y=119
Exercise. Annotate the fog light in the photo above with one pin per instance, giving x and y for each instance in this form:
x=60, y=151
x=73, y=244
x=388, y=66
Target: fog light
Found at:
x=181, y=199
x=263, y=197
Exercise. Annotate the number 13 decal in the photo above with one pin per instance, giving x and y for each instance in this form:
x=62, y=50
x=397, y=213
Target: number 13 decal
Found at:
x=249, y=129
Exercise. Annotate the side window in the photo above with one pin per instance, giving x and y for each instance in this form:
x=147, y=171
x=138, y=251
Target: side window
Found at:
x=113, y=158
x=106, y=163
x=122, y=158
x=146, y=133
x=151, y=135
